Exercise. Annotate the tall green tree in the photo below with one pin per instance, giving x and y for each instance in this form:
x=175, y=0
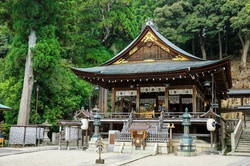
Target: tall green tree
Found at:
x=106, y=27
x=240, y=22
x=53, y=22
x=170, y=19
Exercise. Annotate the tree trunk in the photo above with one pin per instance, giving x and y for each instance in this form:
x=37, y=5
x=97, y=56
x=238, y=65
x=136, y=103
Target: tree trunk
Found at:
x=203, y=50
x=226, y=39
x=193, y=46
x=220, y=45
x=244, y=54
x=211, y=51
x=24, y=110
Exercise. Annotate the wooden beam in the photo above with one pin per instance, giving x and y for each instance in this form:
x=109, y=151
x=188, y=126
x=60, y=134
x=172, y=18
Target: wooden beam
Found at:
x=113, y=100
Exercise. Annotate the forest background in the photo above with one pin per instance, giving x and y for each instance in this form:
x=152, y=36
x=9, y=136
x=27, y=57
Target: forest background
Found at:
x=75, y=33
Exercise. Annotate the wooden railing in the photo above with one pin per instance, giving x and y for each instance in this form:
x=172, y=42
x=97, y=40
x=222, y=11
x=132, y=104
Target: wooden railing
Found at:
x=123, y=136
x=235, y=136
x=152, y=136
x=161, y=136
x=143, y=115
x=179, y=114
x=113, y=115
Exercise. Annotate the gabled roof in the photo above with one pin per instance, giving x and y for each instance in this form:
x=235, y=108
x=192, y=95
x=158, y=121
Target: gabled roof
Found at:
x=150, y=28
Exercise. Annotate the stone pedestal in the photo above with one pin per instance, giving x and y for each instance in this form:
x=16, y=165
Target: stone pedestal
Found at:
x=99, y=161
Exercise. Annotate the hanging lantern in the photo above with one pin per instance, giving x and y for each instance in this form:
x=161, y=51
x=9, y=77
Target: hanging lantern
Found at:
x=211, y=124
x=85, y=124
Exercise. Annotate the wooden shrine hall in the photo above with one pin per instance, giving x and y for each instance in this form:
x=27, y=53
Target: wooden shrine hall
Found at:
x=152, y=75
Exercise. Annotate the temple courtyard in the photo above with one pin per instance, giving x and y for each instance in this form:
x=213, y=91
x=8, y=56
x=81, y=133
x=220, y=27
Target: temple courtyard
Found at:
x=48, y=156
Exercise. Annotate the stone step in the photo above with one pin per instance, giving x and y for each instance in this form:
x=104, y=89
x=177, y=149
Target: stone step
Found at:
x=242, y=144
x=242, y=150
x=243, y=147
x=243, y=139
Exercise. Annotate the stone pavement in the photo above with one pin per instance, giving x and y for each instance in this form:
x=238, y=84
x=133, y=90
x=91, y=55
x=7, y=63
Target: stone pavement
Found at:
x=11, y=151
x=50, y=156
x=202, y=160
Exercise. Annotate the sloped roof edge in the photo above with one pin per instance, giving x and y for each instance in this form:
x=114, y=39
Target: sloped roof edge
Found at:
x=162, y=38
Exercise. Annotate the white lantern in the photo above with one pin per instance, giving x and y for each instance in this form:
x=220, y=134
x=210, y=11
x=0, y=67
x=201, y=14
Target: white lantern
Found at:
x=85, y=124
x=211, y=124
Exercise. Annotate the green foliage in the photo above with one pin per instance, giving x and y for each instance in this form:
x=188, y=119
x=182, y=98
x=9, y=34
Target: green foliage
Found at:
x=88, y=33
x=60, y=92
x=241, y=22
x=171, y=19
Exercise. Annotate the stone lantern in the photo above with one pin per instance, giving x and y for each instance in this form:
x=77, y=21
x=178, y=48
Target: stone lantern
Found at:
x=46, y=139
x=185, y=146
x=97, y=124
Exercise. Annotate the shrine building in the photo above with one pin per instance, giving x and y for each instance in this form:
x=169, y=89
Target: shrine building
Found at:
x=153, y=76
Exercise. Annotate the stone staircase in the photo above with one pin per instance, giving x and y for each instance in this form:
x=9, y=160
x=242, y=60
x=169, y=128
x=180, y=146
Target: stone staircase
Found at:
x=150, y=148
x=244, y=142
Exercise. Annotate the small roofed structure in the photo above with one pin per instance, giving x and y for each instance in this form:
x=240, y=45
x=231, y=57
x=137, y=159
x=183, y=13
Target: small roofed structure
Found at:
x=4, y=108
x=210, y=113
x=139, y=134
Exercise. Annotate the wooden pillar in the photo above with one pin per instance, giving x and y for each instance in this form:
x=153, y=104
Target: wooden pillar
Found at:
x=180, y=103
x=138, y=100
x=223, y=136
x=103, y=100
x=121, y=104
x=194, y=96
x=241, y=100
x=113, y=100
x=166, y=100
x=156, y=104
x=111, y=126
x=129, y=106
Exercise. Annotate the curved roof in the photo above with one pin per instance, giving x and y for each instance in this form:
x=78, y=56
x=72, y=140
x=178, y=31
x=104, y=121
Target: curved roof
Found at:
x=149, y=67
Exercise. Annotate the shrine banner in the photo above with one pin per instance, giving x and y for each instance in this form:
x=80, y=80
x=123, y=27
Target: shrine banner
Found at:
x=181, y=92
x=152, y=89
x=126, y=93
